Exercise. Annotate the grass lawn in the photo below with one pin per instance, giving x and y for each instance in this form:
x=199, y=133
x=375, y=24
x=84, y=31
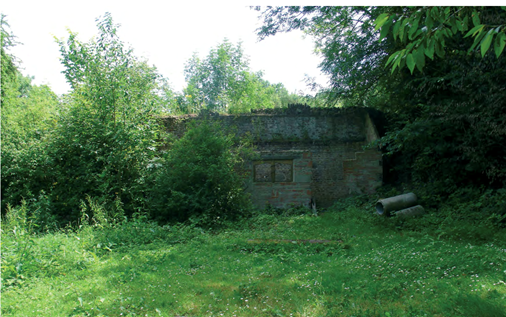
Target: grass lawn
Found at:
x=375, y=267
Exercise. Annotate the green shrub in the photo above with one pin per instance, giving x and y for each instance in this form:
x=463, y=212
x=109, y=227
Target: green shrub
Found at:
x=25, y=170
x=101, y=141
x=201, y=179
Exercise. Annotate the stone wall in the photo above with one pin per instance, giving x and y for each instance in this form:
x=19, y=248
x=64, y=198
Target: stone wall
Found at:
x=305, y=154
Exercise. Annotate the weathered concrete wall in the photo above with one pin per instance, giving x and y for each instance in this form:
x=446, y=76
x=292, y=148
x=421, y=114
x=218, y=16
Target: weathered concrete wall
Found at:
x=306, y=154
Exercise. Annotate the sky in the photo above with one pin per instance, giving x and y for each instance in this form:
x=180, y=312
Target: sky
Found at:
x=166, y=33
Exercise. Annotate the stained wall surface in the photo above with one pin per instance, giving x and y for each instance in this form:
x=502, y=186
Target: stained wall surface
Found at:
x=305, y=155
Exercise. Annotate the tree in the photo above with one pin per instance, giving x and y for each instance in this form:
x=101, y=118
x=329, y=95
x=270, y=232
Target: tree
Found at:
x=457, y=133
x=446, y=121
x=9, y=71
x=345, y=37
x=425, y=30
x=27, y=113
x=223, y=82
x=106, y=134
x=217, y=76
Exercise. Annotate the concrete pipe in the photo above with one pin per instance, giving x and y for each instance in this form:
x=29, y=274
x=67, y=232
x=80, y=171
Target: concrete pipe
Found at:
x=410, y=212
x=384, y=207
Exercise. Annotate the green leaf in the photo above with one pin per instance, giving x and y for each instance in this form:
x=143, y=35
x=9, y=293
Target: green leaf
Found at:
x=392, y=58
x=413, y=28
x=380, y=21
x=455, y=28
x=419, y=57
x=485, y=43
x=409, y=47
x=499, y=43
x=439, y=46
x=417, y=33
x=429, y=51
x=396, y=29
x=386, y=28
x=475, y=30
x=402, y=60
x=429, y=22
x=435, y=13
x=476, y=18
x=398, y=59
x=465, y=24
x=477, y=40
x=410, y=61
x=459, y=26
x=402, y=29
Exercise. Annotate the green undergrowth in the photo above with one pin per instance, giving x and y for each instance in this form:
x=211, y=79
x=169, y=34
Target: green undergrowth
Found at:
x=376, y=267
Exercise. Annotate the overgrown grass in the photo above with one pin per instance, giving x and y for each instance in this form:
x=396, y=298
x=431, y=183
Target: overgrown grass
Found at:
x=377, y=267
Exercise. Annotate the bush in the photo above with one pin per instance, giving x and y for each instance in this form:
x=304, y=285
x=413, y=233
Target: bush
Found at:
x=107, y=161
x=201, y=177
x=101, y=141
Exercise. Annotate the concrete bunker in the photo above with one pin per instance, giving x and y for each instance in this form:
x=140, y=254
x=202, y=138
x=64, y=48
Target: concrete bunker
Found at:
x=306, y=155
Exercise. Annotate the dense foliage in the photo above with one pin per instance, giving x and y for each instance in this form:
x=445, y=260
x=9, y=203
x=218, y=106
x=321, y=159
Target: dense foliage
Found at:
x=101, y=139
x=99, y=147
x=107, y=133
x=201, y=179
x=446, y=120
x=223, y=82
x=345, y=37
x=27, y=121
x=425, y=30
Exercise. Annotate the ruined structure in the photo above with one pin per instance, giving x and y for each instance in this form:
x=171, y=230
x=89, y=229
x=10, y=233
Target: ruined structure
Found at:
x=306, y=155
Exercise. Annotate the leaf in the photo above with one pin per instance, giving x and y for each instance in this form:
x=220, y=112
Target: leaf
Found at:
x=439, y=46
x=435, y=13
x=465, y=24
x=418, y=32
x=402, y=60
x=402, y=29
x=429, y=51
x=474, y=30
x=380, y=21
x=429, y=22
x=455, y=27
x=397, y=61
x=392, y=58
x=396, y=29
x=413, y=29
x=499, y=43
x=477, y=40
x=409, y=47
x=485, y=43
x=410, y=61
x=419, y=57
x=459, y=25
x=386, y=28
x=476, y=18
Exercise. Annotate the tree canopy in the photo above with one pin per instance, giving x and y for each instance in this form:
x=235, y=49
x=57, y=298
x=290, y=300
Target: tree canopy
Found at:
x=223, y=81
x=345, y=37
x=425, y=30
x=446, y=121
